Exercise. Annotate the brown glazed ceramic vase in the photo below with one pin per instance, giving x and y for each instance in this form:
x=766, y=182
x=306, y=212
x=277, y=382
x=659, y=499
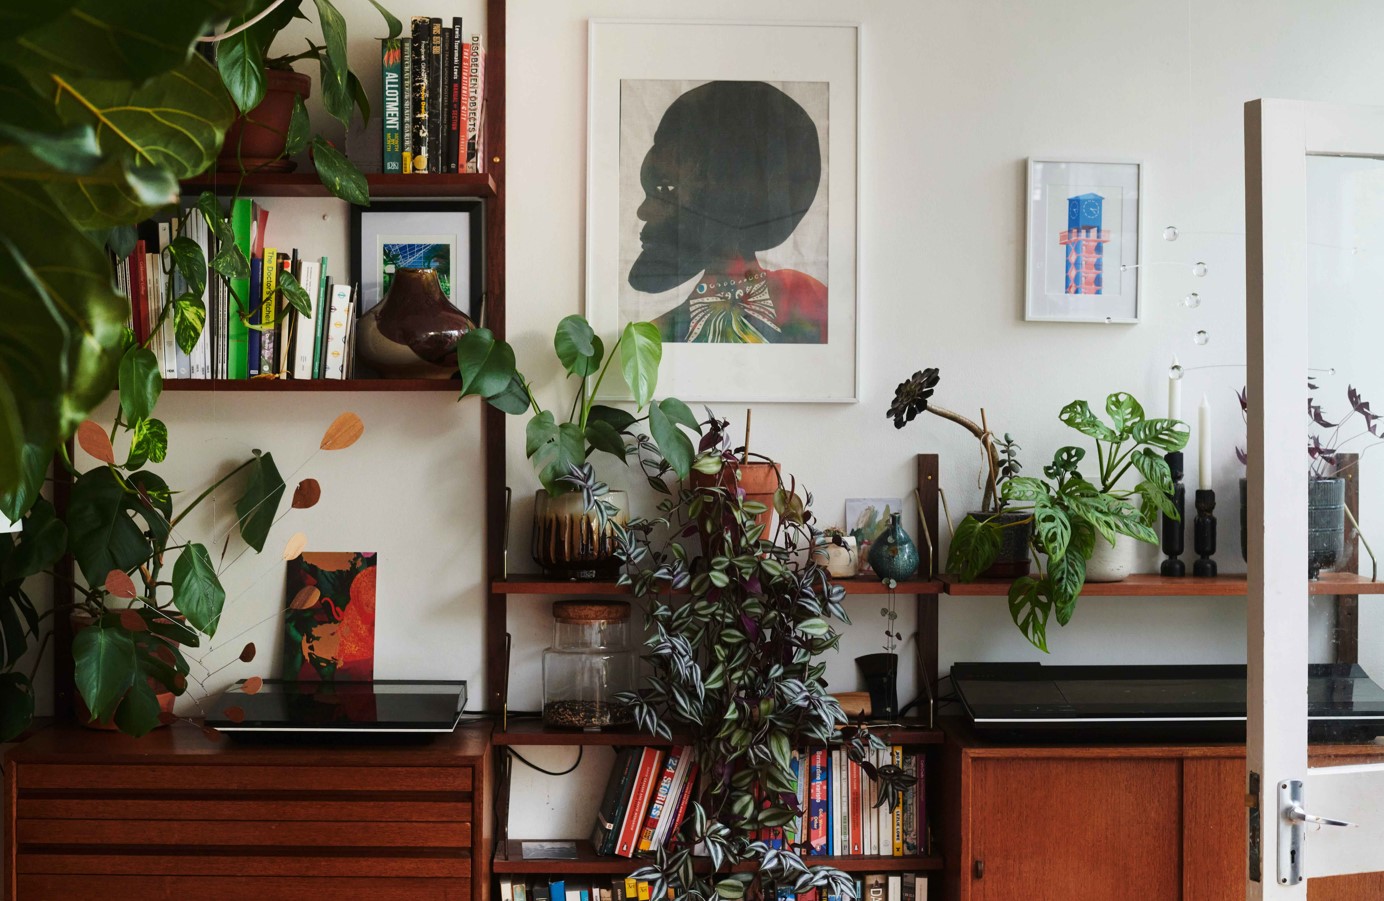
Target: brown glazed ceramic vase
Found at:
x=413, y=332
x=255, y=142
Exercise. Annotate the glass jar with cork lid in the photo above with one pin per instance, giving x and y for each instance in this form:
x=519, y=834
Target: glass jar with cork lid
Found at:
x=590, y=662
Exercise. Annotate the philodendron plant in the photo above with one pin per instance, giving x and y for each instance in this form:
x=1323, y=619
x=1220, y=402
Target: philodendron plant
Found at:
x=739, y=619
x=146, y=592
x=1071, y=512
x=560, y=449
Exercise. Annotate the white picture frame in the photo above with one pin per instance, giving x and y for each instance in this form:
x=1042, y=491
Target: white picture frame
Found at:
x=1084, y=243
x=635, y=59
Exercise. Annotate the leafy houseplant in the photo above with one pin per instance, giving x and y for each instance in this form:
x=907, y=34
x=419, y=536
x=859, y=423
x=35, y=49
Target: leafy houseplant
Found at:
x=1070, y=512
x=250, y=74
x=92, y=140
x=1001, y=458
x=736, y=631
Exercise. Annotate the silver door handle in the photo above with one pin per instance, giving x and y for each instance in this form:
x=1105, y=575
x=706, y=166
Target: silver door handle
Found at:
x=1297, y=815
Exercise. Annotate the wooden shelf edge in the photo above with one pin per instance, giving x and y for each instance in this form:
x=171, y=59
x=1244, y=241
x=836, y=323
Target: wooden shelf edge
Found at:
x=308, y=386
x=589, y=863
x=306, y=184
x=532, y=732
x=1154, y=585
x=533, y=583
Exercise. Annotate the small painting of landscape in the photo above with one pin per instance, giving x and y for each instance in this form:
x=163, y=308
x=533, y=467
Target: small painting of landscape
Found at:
x=866, y=518
x=329, y=627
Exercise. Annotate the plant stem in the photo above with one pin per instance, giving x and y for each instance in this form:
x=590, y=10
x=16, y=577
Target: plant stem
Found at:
x=987, y=447
x=586, y=407
x=203, y=496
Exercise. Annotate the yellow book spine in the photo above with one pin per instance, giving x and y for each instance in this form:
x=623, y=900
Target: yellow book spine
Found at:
x=631, y=888
x=896, y=757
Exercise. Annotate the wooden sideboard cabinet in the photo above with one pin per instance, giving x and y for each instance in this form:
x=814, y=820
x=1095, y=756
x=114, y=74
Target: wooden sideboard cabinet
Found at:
x=1120, y=822
x=175, y=815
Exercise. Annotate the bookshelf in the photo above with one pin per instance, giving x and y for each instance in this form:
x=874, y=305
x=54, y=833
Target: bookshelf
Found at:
x=273, y=386
x=589, y=863
x=537, y=584
x=306, y=184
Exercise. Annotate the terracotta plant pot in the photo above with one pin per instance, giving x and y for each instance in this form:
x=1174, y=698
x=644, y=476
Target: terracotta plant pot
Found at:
x=758, y=480
x=255, y=142
x=413, y=332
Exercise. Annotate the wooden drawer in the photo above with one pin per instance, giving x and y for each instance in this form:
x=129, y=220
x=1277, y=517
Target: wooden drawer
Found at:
x=243, y=833
x=240, y=806
x=198, y=779
x=143, y=860
x=260, y=888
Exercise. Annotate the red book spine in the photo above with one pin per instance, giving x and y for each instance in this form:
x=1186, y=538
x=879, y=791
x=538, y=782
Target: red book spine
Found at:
x=853, y=780
x=685, y=798
x=660, y=802
x=639, y=802
x=463, y=95
x=817, y=802
x=139, y=301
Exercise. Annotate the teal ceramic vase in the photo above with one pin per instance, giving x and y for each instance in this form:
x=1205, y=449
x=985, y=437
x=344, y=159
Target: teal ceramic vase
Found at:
x=893, y=555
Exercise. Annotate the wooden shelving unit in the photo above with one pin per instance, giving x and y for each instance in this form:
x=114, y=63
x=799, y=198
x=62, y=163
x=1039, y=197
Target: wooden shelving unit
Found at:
x=1152, y=585
x=306, y=184
x=288, y=386
x=589, y=863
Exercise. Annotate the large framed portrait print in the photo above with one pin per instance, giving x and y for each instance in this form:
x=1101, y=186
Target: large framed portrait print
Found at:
x=721, y=203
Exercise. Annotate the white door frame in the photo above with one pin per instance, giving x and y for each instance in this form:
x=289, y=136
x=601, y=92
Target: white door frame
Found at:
x=1279, y=136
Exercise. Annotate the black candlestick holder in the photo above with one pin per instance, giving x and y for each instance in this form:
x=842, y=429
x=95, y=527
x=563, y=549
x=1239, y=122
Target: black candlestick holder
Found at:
x=1174, y=529
x=1204, y=533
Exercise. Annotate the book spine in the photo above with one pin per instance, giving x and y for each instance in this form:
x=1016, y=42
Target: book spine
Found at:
x=391, y=78
x=465, y=90
x=689, y=788
x=920, y=802
x=237, y=336
x=896, y=812
x=138, y=295
x=456, y=151
x=321, y=312
x=436, y=81
x=857, y=826
x=406, y=105
x=639, y=802
x=475, y=91
x=305, y=331
x=269, y=289
x=285, y=317
x=201, y=353
x=336, y=332
x=817, y=802
x=831, y=796
x=660, y=801
x=182, y=362
x=422, y=77
x=444, y=97
x=910, y=810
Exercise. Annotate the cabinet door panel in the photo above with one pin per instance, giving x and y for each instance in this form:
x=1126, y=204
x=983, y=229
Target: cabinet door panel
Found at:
x=1076, y=830
x=1215, y=829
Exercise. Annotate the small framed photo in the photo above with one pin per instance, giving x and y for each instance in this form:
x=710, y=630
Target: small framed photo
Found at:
x=1084, y=240
x=446, y=235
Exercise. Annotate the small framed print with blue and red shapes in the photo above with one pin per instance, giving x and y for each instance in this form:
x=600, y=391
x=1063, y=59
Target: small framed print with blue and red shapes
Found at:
x=1083, y=242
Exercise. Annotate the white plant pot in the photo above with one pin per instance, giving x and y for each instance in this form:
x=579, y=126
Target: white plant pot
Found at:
x=1112, y=564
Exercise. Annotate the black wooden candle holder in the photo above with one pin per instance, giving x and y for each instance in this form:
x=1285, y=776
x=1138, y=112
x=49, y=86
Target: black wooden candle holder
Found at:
x=1174, y=530
x=1204, y=533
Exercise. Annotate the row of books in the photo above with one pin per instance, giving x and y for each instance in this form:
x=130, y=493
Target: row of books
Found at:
x=839, y=816
x=645, y=800
x=272, y=337
x=433, y=86
x=874, y=887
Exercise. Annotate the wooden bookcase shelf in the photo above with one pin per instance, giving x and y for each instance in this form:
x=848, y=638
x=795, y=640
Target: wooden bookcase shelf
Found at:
x=533, y=583
x=273, y=386
x=588, y=863
x=1148, y=585
x=532, y=732
x=306, y=184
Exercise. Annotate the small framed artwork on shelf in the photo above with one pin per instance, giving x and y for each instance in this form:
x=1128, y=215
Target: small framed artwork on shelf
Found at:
x=442, y=235
x=721, y=203
x=1084, y=240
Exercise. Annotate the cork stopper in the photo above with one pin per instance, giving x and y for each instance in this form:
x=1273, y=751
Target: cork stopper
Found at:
x=584, y=612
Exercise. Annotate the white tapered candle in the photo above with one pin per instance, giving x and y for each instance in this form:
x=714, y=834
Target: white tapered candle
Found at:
x=1204, y=444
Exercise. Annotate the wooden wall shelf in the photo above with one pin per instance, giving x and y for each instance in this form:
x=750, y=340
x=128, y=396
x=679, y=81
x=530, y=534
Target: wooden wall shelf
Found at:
x=306, y=184
x=1147, y=585
x=589, y=863
x=311, y=385
x=532, y=732
x=533, y=583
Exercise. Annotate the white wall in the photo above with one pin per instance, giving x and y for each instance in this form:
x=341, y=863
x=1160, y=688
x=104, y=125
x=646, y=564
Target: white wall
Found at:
x=954, y=97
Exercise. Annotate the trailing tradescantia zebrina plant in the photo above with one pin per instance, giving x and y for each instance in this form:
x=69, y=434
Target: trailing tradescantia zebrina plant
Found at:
x=739, y=619
x=1070, y=512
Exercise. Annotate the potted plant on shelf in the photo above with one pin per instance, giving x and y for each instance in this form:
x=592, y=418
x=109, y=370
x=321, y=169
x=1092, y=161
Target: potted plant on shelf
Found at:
x=736, y=634
x=1326, y=477
x=880, y=670
x=1001, y=458
x=1072, y=514
x=572, y=535
x=146, y=592
x=273, y=124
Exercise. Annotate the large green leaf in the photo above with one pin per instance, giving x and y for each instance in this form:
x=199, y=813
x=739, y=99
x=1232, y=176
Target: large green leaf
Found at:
x=16, y=704
x=112, y=40
x=602, y=436
x=138, y=713
x=15, y=19
x=1167, y=434
x=240, y=62
x=673, y=443
x=1023, y=488
x=1065, y=580
x=197, y=592
x=295, y=295
x=390, y=21
x=618, y=419
x=974, y=547
x=1078, y=415
x=101, y=533
x=339, y=174
x=190, y=262
x=72, y=150
x=299, y=128
x=140, y=383
x=555, y=459
x=514, y=399
x=105, y=665
x=1124, y=411
x=336, y=92
x=541, y=429
x=149, y=441
x=1052, y=528
x=579, y=349
x=1030, y=609
x=641, y=350
x=11, y=437
x=17, y=498
x=257, y=506
x=1153, y=468
x=189, y=318
x=486, y=364
x=40, y=544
